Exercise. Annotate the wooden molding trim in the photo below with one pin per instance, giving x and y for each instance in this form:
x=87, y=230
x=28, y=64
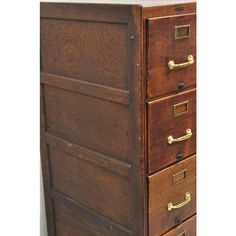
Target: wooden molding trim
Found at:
x=86, y=154
x=86, y=88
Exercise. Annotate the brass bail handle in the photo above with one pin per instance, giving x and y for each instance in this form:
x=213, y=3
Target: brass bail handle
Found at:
x=188, y=135
x=172, y=65
x=171, y=206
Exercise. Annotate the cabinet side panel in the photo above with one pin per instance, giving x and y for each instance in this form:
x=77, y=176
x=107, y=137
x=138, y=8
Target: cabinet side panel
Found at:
x=90, y=51
x=73, y=221
x=93, y=123
x=96, y=188
x=91, y=74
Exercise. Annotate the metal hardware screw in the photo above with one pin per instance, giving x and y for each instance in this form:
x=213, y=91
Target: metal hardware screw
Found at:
x=179, y=156
x=180, y=85
x=177, y=220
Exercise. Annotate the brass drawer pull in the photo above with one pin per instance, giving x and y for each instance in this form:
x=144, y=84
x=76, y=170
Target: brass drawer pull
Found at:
x=172, y=64
x=170, y=205
x=188, y=135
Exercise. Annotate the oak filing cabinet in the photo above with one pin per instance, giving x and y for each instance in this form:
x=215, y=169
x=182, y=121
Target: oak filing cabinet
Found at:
x=118, y=117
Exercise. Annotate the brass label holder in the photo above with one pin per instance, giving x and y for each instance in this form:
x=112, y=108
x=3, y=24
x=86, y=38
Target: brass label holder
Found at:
x=180, y=108
x=182, y=234
x=182, y=31
x=179, y=177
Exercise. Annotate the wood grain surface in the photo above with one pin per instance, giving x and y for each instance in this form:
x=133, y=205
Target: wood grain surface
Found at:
x=72, y=219
x=104, y=119
x=93, y=118
x=85, y=50
x=162, y=48
x=100, y=125
x=75, y=178
x=163, y=190
x=188, y=228
x=162, y=123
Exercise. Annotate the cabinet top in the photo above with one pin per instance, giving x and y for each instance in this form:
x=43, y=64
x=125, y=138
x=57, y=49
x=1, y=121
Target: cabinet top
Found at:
x=144, y=3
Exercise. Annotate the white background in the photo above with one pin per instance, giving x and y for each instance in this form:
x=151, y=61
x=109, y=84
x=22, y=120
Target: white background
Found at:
x=19, y=118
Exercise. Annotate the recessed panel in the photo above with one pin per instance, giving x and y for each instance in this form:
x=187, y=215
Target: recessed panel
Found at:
x=91, y=51
x=97, y=124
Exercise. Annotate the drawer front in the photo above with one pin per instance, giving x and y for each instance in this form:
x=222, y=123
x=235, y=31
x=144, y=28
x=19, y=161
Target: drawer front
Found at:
x=188, y=228
x=171, y=39
x=172, y=196
x=169, y=121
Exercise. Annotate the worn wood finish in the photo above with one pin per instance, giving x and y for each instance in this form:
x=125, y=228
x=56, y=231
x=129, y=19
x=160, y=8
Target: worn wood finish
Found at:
x=86, y=154
x=188, y=228
x=163, y=47
x=73, y=219
x=94, y=112
x=164, y=189
x=177, y=8
x=86, y=88
x=96, y=124
x=45, y=167
x=98, y=117
x=162, y=123
x=75, y=178
x=69, y=48
x=114, y=13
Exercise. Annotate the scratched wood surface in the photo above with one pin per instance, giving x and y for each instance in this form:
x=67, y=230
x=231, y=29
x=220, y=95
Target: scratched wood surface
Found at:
x=162, y=123
x=92, y=118
x=163, y=190
x=163, y=47
x=187, y=228
x=94, y=136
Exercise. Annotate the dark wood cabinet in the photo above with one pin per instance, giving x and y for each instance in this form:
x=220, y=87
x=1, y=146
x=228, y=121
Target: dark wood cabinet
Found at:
x=171, y=116
x=118, y=117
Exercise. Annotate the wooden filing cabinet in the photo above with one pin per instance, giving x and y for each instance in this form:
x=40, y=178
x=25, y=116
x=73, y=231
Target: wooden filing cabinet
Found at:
x=118, y=117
